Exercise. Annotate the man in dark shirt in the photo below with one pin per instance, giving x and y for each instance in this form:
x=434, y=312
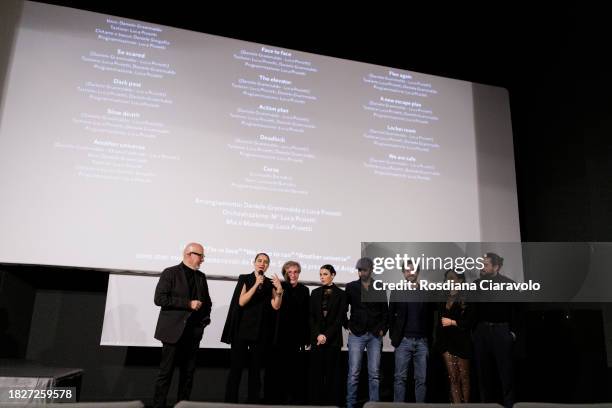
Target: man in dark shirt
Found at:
x=494, y=334
x=182, y=293
x=367, y=325
x=409, y=328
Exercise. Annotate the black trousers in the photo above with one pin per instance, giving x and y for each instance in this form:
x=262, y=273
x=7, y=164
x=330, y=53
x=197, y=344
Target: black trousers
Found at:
x=286, y=376
x=238, y=355
x=182, y=354
x=493, y=357
x=324, y=382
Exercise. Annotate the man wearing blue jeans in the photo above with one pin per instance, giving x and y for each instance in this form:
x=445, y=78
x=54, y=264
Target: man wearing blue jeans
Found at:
x=367, y=326
x=410, y=326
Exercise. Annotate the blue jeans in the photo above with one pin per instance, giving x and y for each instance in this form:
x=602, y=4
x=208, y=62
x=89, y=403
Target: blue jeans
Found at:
x=410, y=348
x=356, y=345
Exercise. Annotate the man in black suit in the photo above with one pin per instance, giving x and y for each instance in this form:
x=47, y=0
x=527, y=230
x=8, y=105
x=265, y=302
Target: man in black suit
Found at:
x=497, y=322
x=182, y=293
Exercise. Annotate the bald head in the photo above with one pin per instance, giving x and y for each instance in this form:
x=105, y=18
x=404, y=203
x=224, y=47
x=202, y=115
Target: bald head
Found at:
x=193, y=255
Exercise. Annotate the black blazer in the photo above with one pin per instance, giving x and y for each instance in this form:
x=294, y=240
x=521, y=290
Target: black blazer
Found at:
x=369, y=316
x=497, y=306
x=397, y=314
x=172, y=294
x=252, y=321
x=336, y=314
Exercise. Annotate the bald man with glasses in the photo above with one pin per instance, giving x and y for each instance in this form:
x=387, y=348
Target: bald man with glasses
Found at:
x=182, y=293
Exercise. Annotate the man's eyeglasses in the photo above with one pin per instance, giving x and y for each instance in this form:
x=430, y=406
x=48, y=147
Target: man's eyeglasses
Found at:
x=198, y=254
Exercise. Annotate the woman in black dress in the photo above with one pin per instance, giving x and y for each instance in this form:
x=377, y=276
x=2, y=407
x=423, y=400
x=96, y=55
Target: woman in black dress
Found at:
x=453, y=339
x=249, y=326
x=327, y=313
x=289, y=359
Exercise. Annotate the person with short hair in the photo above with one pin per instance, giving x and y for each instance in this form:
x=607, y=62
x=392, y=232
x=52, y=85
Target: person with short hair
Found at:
x=288, y=355
x=367, y=325
x=411, y=327
x=182, y=293
x=496, y=325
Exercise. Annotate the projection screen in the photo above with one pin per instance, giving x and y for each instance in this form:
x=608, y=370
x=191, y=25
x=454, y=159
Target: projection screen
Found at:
x=122, y=140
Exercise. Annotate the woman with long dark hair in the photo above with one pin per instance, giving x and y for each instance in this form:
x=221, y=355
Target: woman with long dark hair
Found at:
x=453, y=339
x=327, y=313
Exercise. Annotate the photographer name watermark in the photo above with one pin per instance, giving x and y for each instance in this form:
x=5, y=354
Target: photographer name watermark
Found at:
x=446, y=274
x=491, y=271
x=483, y=284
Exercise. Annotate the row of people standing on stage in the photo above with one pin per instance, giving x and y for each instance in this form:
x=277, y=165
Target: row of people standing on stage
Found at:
x=411, y=332
x=278, y=334
x=481, y=327
x=275, y=321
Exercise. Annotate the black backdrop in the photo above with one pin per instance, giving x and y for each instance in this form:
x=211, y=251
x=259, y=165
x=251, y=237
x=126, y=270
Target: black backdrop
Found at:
x=552, y=61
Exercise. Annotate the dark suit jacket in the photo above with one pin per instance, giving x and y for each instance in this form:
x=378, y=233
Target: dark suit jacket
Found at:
x=398, y=305
x=498, y=306
x=336, y=313
x=252, y=321
x=172, y=294
x=370, y=315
